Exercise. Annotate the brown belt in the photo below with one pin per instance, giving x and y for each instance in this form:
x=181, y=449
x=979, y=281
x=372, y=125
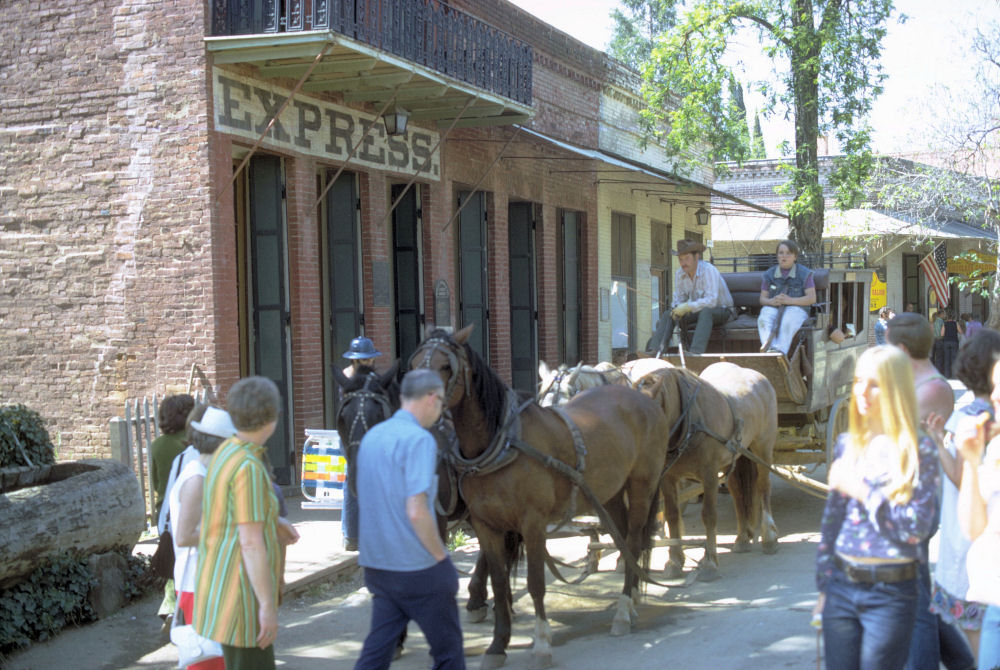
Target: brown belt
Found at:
x=864, y=573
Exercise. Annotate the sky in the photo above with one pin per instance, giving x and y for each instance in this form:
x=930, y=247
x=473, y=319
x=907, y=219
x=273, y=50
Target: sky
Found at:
x=926, y=50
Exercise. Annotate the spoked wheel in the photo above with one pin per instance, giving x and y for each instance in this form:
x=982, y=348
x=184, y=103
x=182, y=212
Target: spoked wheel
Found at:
x=836, y=424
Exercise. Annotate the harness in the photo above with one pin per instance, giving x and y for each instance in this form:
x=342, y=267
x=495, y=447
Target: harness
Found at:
x=365, y=393
x=506, y=443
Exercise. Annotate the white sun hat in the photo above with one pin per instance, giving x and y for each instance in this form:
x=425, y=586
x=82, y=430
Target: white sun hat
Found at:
x=215, y=422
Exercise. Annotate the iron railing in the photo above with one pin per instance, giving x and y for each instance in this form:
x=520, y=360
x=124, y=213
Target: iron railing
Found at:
x=426, y=32
x=761, y=262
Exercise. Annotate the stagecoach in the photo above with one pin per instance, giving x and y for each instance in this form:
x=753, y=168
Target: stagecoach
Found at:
x=814, y=380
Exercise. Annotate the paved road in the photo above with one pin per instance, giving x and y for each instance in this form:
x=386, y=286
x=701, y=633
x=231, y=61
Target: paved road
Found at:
x=755, y=616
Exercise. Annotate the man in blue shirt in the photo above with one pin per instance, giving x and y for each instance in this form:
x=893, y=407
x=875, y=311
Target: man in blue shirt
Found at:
x=407, y=569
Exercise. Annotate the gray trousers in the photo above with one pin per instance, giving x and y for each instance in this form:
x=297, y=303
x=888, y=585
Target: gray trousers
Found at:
x=703, y=322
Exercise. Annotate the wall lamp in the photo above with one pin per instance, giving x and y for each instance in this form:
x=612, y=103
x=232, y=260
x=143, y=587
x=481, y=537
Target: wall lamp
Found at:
x=395, y=121
x=701, y=216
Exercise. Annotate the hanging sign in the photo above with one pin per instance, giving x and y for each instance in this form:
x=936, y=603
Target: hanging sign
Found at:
x=877, y=299
x=244, y=107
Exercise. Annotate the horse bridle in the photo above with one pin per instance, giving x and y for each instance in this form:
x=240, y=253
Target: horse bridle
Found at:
x=443, y=344
x=365, y=393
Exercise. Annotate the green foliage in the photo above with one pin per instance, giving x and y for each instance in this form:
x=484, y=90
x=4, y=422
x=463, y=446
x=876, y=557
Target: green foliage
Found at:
x=637, y=24
x=28, y=427
x=757, y=150
x=457, y=539
x=55, y=596
x=827, y=74
x=140, y=580
x=49, y=599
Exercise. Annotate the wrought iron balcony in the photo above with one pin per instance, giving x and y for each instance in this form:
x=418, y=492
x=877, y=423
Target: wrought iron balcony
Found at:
x=428, y=33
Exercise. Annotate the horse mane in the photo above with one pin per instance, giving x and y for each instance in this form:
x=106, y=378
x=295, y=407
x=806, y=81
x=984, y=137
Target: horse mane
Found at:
x=489, y=389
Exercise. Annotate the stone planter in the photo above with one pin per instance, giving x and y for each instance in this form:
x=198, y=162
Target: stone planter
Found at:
x=91, y=506
x=19, y=476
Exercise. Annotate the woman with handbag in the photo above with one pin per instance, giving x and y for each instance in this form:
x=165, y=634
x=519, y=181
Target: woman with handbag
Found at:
x=205, y=435
x=881, y=507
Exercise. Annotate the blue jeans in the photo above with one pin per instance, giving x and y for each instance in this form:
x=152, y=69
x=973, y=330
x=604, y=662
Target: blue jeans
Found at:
x=349, y=513
x=925, y=652
x=425, y=596
x=989, y=639
x=868, y=626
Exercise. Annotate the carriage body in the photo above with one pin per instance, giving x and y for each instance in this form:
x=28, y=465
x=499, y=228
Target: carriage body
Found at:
x=814, y=380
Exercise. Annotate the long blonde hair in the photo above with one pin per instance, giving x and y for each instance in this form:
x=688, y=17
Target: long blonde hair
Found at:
x=890, y=367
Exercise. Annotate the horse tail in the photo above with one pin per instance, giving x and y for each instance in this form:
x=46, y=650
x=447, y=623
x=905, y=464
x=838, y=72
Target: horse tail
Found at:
x=744, y=477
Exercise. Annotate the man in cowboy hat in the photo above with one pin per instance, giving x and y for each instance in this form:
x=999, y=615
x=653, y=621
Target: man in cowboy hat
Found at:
x=701, y=297
x=362, y=355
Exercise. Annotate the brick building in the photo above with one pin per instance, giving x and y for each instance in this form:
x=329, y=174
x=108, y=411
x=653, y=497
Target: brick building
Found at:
x=191, y=191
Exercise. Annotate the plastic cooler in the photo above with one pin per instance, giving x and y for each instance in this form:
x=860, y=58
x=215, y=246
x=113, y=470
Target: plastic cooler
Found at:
x=324, y=470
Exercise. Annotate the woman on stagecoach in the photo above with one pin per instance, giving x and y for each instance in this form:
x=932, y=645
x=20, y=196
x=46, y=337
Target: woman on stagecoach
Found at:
x=786, y=292
x=882, y=503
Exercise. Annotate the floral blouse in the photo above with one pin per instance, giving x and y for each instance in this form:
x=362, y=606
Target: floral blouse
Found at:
x=879, y=528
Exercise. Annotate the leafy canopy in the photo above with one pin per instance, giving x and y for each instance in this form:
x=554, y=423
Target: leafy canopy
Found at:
x=825, y=72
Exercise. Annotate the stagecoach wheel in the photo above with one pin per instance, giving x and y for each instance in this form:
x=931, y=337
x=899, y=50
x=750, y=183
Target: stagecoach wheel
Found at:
x=836, y=424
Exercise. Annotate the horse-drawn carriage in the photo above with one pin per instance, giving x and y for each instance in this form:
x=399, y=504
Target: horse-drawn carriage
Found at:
x=813, y=381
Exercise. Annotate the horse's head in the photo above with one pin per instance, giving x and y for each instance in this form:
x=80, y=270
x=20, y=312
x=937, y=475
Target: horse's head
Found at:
x=368, y=398
x=450, y=357
x=559, y=385
x=468, y=381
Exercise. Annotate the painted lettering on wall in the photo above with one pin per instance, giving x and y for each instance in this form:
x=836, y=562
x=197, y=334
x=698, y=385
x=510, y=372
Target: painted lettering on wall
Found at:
x=244, y=107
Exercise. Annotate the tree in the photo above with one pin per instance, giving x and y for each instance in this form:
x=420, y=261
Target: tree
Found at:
x=757, y=150
x=959, y=179
x=637, y=24
x=738, y=116
x=827, y=72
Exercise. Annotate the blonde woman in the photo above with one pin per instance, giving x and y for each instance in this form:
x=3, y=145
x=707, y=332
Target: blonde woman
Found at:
x=882, y=504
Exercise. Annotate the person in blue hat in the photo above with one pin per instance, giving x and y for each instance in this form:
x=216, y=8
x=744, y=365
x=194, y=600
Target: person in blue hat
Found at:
x=362, y=354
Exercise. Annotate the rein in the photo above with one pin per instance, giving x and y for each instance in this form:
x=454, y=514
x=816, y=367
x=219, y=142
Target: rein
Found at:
x=499, y=453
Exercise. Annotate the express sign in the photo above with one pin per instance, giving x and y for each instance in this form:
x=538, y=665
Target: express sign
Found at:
x=245, y=106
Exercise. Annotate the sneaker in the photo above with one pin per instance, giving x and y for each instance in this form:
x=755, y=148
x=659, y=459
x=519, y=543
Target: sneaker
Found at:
x=350, y=545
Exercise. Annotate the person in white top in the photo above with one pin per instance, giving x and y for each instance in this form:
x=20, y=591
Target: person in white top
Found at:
x=701, y=297
x=205, y=436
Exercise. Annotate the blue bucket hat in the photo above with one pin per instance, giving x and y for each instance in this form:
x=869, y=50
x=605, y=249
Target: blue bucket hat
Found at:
x=362, y=347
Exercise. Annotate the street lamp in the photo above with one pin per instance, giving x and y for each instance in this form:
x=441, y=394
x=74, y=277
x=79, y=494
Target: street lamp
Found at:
x=395, y=121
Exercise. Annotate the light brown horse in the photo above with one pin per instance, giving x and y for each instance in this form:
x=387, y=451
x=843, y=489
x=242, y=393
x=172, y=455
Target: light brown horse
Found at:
x=709, y=414
x=508, y=489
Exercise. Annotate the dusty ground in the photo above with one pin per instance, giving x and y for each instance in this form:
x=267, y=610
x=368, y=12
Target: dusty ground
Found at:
x=755, y=616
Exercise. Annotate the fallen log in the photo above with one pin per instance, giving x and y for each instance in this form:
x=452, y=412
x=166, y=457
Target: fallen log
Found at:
x=91, y=506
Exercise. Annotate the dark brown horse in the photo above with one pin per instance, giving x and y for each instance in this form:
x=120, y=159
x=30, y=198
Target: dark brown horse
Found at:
x=508, y=489
x=726, y=406
x=370, y=398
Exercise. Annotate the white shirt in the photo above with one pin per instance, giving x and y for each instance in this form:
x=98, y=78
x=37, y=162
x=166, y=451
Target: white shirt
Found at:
x=185, y=558
x=707, y=289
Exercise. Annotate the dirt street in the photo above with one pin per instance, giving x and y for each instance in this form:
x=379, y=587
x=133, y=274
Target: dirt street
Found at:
x=755, y=616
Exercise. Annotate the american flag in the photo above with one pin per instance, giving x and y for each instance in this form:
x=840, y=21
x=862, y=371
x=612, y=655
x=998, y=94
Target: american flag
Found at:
x=935, y=266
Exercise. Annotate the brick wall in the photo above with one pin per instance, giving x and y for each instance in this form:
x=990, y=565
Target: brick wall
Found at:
x=106, y=284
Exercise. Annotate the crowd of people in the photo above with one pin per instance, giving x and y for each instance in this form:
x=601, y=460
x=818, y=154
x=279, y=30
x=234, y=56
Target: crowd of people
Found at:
x=912, y=465
x=229, y=527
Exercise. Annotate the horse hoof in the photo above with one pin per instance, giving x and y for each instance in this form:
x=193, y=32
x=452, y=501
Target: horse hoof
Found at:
x=620, y=627
x=477, y=615
x=491, y=661
x=540, y=661
x=770, y=547
x=708, y=573
x=741, y=547
x=673, y=571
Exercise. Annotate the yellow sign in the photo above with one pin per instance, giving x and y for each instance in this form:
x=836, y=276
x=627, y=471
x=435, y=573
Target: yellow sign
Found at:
x=965, y=266
x=878, y=294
